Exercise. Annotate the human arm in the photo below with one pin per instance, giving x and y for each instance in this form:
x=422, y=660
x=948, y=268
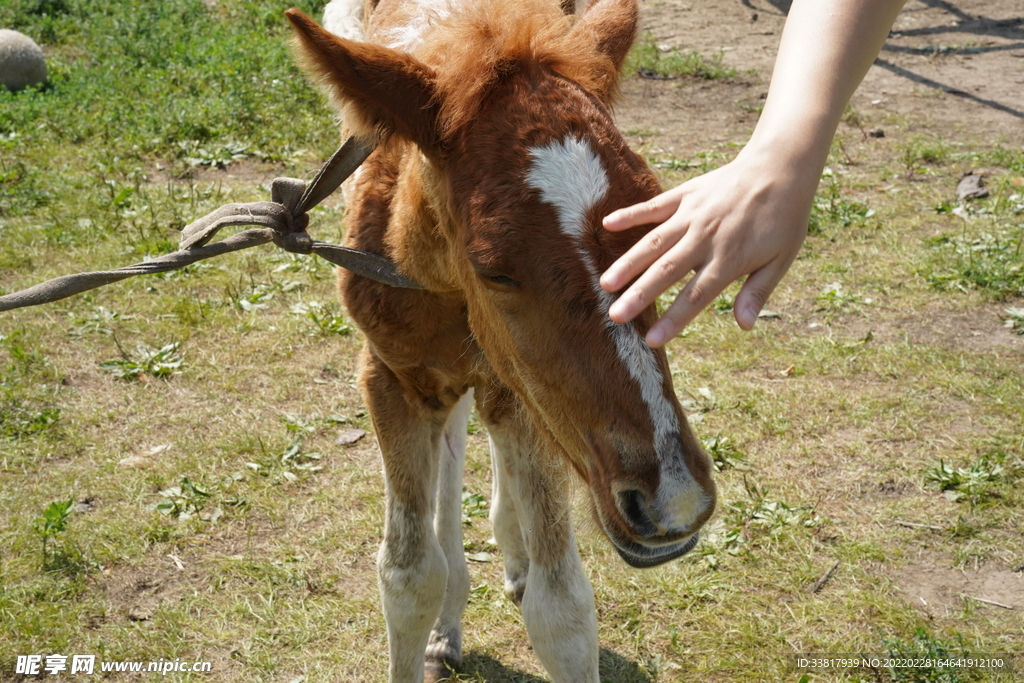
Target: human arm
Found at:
x=749, y=217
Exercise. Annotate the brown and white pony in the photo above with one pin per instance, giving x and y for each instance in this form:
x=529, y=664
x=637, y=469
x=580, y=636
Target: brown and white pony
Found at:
x=496, y=160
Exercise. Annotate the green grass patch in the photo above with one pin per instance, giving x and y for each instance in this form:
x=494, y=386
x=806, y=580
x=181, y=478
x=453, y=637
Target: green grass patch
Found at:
x=923, y=647
x=832, y=208
x=984, y=255
x=650, y=61
x=985, y=480
x=180, y=80
x=1014, y=319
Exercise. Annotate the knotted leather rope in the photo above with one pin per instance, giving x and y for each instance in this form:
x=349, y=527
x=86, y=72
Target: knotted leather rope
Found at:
x=284, y=219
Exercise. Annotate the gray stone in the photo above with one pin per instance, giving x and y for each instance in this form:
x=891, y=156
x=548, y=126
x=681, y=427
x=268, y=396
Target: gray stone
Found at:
x=21, y=61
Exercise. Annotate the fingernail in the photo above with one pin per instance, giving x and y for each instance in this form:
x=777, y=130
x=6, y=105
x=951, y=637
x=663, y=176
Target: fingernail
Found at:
x=656, y=336
x=616, y=310
x=750, y=314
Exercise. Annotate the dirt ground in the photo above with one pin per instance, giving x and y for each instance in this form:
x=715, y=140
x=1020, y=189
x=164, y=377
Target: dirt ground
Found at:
x=935, y=71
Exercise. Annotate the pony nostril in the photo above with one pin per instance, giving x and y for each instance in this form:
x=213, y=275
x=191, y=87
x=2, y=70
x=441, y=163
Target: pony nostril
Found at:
x=633, y=506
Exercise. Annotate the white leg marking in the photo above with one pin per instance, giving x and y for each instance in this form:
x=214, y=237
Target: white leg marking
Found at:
x=561, y=618
x=570, y=176
x=505, y=518
x=446, y=637
x=532, y=521
x=412, y=565
x=412, y=587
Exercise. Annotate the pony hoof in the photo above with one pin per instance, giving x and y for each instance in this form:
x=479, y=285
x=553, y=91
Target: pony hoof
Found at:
x=437, y=670
x=515, y=594
x=515, y=588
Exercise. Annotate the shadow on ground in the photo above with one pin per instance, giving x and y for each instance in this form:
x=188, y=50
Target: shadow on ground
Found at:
x=960, y=22
x=614, y=668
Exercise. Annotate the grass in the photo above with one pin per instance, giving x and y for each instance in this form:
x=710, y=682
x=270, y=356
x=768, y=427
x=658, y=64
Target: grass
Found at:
x=986, y=253
x=651, y=61
x=173, y=80
x=204, y=510
x=832, y=208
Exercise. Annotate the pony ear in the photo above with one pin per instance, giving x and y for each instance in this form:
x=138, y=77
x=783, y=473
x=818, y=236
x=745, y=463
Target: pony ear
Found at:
x=383, y=91
x=610, y=27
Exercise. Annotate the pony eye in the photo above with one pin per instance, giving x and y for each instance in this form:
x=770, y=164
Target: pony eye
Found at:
x=503, y=280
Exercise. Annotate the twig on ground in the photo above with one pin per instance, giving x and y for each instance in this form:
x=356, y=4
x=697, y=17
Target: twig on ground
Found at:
x=988, y=602
x=820, y=583
x=916, y=525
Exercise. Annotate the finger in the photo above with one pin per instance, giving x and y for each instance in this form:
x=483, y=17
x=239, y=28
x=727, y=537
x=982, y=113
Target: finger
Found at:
x=755, y=292
x=641, y=256
x=667, y=270
x=654, y=210
x=700, y=291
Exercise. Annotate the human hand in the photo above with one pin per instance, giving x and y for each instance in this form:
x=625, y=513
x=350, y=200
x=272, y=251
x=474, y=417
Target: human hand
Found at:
x=748, y=217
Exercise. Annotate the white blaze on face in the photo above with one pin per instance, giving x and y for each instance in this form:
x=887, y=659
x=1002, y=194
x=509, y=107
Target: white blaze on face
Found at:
x=571, y=177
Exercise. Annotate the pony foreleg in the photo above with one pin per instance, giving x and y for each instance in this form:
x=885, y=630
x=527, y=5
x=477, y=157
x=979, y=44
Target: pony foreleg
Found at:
x=444, y=651
x=505, y=524
x=558, y=601
x=411, y=564
x=561, y=619
x=413, y=571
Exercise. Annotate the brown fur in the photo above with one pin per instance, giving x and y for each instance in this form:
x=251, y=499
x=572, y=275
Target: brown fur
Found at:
x=453, y=74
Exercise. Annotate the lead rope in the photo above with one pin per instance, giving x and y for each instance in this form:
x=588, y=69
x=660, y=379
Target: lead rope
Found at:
x=285, y=219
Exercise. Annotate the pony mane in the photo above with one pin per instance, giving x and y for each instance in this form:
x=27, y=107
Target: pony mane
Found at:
x=481, y=45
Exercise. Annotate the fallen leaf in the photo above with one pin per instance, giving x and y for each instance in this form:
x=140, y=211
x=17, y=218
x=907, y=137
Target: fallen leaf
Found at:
x=212, y=516
x=971, y=186
x=479, y=557
x=349, y=437
x=136, y=461
x=139, y=613
x=144, y=458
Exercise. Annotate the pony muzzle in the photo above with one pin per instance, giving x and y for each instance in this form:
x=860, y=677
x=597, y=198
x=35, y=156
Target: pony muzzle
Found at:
x=655, y=523
x=653, y=514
